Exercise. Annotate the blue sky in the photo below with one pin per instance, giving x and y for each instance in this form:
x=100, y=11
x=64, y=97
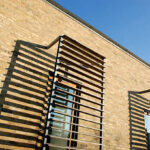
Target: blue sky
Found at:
x=125, y=21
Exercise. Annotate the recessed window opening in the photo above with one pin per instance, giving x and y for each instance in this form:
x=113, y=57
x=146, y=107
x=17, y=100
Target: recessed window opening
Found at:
x=64, y=117
x=147, y=127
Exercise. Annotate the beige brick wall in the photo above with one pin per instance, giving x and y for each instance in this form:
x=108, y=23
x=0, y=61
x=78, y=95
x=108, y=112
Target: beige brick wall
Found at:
x=37, y=22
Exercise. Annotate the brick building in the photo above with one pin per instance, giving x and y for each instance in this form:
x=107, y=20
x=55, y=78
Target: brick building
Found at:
x=66, y=85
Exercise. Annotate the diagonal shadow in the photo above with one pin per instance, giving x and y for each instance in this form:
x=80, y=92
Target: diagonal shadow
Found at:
x=138, y=105
x=23, y=95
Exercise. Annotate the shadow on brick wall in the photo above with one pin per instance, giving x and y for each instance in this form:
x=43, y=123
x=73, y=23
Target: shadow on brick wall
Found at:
x=23, y=94
x=138, y=106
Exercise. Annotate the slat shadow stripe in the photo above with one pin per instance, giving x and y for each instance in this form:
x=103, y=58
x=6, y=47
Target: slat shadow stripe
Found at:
x=19, y=144
x=25, y=93
x=21, y=113
x=36, y=55
x=23, y=107
x=29, y=81
x=15, y=135
x=19, y=120
x=13, y=127
x=24, y=100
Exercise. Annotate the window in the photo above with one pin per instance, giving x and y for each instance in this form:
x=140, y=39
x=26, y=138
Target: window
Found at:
x=147, y=127
x=64, y=116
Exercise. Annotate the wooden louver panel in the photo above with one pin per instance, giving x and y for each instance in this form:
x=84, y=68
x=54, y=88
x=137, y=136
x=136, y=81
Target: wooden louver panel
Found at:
x=75, y=106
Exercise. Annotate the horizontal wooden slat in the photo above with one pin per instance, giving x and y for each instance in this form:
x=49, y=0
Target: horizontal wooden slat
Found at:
x=139, y=135
x=138, y=122
x=58, y=112
x=76, y=89
x=139, y=140
x=81, y=73
x=80, y=79
x=80, y=97
x=137, y=126
x=58, y=97
x=81, y=141
x=137, y=130
x=77, y=83
x=78, y=110
x=137, y=118
x=80, y=133
x=135, y=109
x=139, y=104
x=137, y=114
x=83, y=47
x=139, y=144
x=77, y=54
x=143, y=101
x=79, y=125
x=62, y=59
x=74, y=47
x=80, y=61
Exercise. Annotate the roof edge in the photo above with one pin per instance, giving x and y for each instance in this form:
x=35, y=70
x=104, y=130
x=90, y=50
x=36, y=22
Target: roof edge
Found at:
x=96, y=30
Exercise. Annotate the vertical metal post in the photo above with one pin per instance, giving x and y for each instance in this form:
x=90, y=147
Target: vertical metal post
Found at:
x=50, y=99
x=102, y=119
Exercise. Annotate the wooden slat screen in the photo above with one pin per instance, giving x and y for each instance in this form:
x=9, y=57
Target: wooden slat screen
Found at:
x=75, y=104
x=138, y=106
